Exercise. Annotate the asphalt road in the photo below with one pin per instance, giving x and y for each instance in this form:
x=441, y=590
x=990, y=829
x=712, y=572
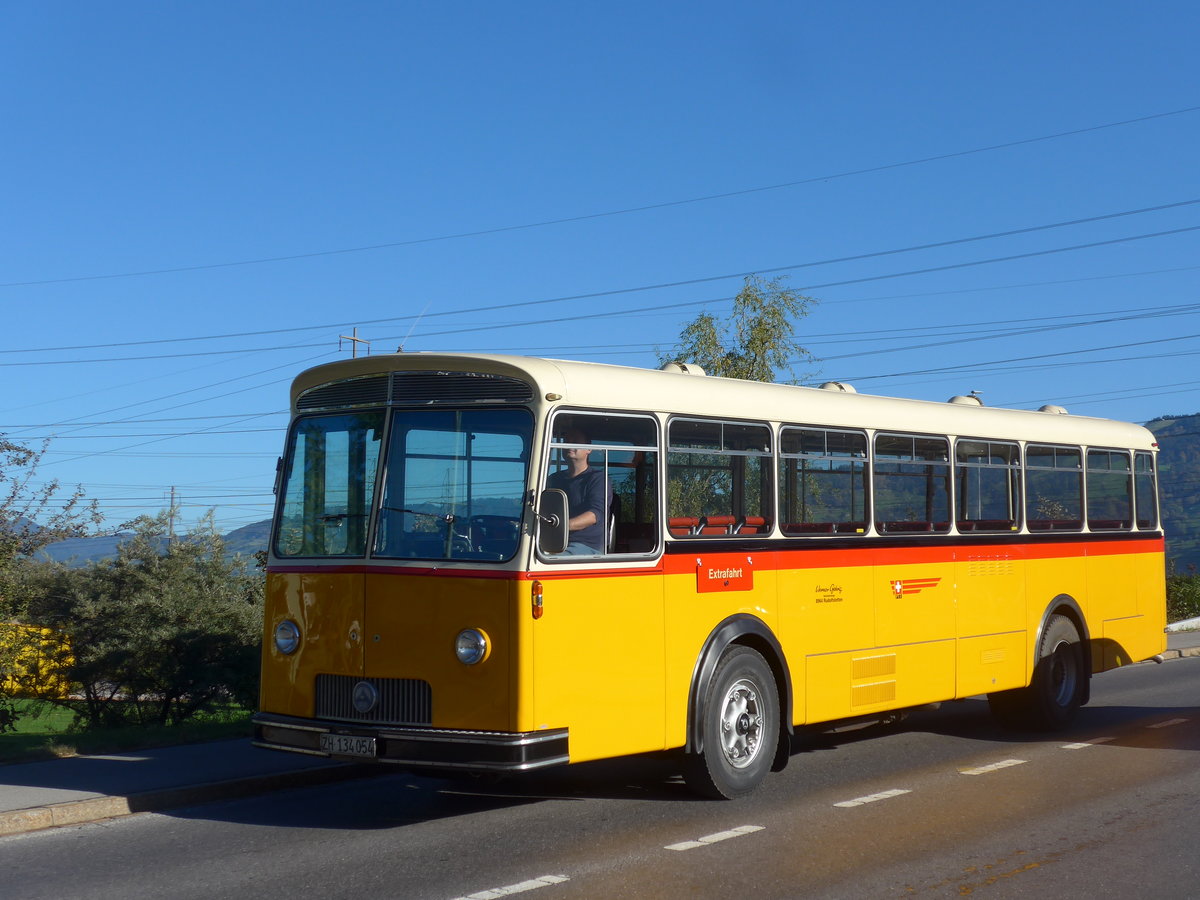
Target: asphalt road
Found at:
x=944, y=805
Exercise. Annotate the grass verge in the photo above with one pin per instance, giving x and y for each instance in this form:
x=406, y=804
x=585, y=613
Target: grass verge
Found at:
x=45, y=732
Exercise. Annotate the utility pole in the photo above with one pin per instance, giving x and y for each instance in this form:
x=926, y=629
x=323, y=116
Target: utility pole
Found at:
x=354, y=340
x=171, y=519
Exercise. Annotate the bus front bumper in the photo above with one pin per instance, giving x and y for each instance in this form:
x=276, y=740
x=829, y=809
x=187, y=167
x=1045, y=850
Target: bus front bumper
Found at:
x=416, y=748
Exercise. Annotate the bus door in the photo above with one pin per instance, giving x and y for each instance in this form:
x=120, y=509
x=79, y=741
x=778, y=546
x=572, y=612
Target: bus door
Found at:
x=598, y=641
x=448, y=531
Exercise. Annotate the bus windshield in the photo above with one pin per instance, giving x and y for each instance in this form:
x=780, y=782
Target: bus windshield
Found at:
x=328, y=485
x=454, y=484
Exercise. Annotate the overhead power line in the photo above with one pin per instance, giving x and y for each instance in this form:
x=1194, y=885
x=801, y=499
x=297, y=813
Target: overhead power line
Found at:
x=663, y=285
x=609, y=213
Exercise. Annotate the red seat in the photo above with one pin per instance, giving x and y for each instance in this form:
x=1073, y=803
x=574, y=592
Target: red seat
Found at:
x=683, y=525
x=752, y=525
x=717, y=525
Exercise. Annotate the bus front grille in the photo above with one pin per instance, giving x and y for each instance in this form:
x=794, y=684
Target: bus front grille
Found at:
x=398, y=701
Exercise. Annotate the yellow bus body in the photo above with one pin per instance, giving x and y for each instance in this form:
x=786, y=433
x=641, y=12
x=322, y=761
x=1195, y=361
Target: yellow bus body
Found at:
x=611, y=656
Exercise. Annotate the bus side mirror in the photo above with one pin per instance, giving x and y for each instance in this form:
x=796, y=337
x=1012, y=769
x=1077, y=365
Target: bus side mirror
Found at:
x=552, y=521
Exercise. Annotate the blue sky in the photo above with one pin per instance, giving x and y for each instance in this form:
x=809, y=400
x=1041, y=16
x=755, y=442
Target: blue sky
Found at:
x=200, y=198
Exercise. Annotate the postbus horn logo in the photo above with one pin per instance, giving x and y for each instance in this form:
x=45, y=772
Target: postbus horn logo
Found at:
x=902, y=587
x=365, y=697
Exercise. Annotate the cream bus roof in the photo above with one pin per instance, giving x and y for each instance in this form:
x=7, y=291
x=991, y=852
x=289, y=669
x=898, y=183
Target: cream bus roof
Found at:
x=568, y=383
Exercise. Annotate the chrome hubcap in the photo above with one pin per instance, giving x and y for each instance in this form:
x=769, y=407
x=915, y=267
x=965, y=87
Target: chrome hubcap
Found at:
x=741, y=724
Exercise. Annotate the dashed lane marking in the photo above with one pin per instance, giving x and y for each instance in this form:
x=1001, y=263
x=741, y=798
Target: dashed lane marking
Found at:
x=519, y=888
x=715, y=838
x=994, y=767
x=1167, y=724
x=1083, y=745
x=871, y=798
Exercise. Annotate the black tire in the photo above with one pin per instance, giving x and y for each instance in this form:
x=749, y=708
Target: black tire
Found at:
x=740, y=727
x=1056, y=691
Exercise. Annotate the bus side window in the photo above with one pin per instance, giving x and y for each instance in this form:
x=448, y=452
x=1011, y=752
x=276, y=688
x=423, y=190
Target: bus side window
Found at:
x=1109, y=490
x=625, y=449
x=1053, y=488
x=987, y=478
x=822, y=481
x=912, y=483
x=718, y=478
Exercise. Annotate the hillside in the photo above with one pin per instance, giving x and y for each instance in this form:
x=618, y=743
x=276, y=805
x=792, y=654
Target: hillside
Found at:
x=1179, y=486
x=244, y=541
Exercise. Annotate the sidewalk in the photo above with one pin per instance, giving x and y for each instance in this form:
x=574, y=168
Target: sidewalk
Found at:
x=89, y=788
x=82, y=789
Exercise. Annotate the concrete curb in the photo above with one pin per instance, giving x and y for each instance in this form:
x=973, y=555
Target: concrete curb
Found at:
x=94, y=809
x=1179, y=654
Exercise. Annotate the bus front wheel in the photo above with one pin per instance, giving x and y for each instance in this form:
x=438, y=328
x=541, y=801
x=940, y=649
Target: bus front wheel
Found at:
x=1056, y=691
x=740, y=727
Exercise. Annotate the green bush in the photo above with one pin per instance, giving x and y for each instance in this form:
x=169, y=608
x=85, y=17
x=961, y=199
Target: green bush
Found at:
x=1183, y=597
x=168, y=629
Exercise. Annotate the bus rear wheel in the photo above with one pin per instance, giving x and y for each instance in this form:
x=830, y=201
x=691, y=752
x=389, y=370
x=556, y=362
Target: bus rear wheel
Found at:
x=740, y=727
x=1056, y=692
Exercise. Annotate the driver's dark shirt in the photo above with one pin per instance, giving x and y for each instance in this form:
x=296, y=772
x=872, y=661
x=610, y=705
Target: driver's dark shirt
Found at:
x=584, y=492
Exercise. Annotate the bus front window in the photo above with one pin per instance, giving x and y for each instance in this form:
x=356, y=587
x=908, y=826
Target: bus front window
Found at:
x=454, y=484
x=328, y=485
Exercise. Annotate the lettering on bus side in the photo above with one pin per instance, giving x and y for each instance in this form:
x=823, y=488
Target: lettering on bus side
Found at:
x=725, y=575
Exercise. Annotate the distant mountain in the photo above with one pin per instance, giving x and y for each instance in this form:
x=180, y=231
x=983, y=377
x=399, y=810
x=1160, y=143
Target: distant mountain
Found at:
x=244, y=541
x=249, y=539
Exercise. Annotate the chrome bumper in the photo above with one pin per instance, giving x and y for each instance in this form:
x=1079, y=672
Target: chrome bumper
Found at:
x=421, y=748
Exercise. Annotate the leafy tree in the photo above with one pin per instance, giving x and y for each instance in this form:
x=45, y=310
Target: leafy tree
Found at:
x=168, y=629
x=31, y=516
x=755, y=342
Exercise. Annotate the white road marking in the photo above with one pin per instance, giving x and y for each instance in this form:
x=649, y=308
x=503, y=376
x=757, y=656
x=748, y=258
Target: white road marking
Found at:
x=520, y=888
x=714, y=838
x=1083, y=745
x=994, y=767
x=1168, y=723
x=871, y=798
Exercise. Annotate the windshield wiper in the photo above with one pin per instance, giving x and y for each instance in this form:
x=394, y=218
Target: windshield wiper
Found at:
x=448, y=518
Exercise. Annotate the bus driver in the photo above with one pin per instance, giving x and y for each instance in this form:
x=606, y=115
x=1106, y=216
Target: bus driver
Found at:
x=586, y=489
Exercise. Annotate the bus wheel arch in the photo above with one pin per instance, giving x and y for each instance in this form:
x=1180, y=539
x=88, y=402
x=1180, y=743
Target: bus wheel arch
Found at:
x=1060, y=681
x=740, y=653
x=1066, y=606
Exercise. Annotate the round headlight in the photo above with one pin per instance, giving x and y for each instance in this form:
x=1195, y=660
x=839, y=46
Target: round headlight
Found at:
x=287, y=636
x=470, y=646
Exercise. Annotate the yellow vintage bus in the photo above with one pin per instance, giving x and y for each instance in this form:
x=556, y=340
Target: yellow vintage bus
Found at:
x=496, y=563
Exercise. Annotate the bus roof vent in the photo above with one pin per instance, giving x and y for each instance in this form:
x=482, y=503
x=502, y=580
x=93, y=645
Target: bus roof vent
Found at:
x=839, y=386
x=426, y=388
x=681, y=368
x=369, y=391
x=1051, y=408
x=971, y=399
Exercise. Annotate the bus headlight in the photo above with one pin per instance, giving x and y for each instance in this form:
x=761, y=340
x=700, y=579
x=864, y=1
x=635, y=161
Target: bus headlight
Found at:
x=471, y=646
x=287, y=637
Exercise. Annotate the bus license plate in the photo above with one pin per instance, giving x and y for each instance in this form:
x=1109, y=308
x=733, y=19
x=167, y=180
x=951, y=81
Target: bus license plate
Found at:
x=348, y=745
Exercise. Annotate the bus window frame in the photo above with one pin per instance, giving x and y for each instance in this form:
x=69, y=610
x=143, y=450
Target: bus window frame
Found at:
x=1051, y=524
x=850, y=527
x=732, y=522
x=366, y=527
x=549, y=446
x=1016, y=470
x=1151, y=473
x=1109, y=525
x=932, y=526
